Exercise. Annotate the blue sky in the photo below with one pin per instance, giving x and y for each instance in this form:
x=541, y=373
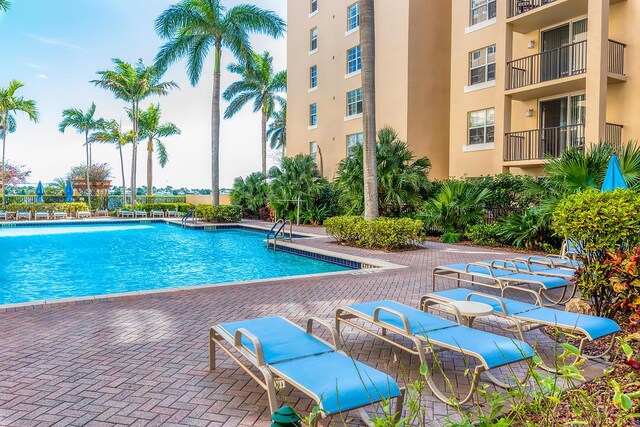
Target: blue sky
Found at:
x=56, y=46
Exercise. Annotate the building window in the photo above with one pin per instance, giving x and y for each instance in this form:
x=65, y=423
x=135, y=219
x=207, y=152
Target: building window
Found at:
x=353, y=17
x=313, y=151
x=314, y=39
x=313, y=115
x=354, y=61
x=353, y=141
x=482, y=10
x=314, y=6
x=481, y=125
x=313, y=77
x=482, y=65
x=354, y=102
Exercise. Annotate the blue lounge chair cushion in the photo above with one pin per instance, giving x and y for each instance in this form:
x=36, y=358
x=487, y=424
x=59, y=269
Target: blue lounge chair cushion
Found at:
x=419, y=321
x=281, y=340
x=594, y=327
x=533, y=268
x=475, y=269
x=557, y=261
x=513, y=307
x=546, y=282
x=338, y=382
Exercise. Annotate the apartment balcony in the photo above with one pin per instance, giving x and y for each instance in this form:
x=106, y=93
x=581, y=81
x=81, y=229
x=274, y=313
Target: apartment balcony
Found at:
x=558, y=70
x=528, y=15
x=532, y=147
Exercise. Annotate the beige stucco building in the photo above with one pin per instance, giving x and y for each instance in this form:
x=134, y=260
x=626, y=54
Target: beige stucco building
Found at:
x=478, y=86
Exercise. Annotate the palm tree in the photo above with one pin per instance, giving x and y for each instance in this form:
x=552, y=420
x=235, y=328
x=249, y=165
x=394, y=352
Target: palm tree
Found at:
x=258, y=84
x=83, y=123
x=192, y=29
x=5, y=5
x=111, y=133
x=152, y=130
x=368, y=52
x=132, y=84
x=277, y=132
x=250, y=193
x=9, y=105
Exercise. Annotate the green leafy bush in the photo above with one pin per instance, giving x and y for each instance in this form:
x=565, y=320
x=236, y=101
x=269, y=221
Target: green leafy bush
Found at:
x=181, y=207
x=384, y=233
x=223, y=213
x=484, y=234
x=527, y=230
x=599, y=223
x=70, y=208
x=250, y=193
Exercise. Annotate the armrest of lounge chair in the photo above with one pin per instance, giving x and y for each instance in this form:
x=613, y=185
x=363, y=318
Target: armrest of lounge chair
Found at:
x=499, y=300
x=257, y=345
x=426, y=299
x=337, y=344
x=405, y=321
x=479, y=264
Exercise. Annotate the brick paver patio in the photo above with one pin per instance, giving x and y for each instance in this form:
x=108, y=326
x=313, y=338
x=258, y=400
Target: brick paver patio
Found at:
x=144, y=360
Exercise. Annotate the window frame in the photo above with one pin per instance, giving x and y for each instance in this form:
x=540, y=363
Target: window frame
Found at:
x=487, y=14
x=359, y=137
x=313, y=39
x=356, y=103
x=356, y=61
x=313, y=77
x=486, y=65
x=486, y=124
x=313, y=114
x=355, y=6
x=313, y=151
x=313, y=6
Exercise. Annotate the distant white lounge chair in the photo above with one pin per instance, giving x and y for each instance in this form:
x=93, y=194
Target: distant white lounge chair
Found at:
x=59, y=215
x=157, y=214
x=125, y=213
x=3, y=215
x=140, y=214
x=173, y=214
x=102, y=212
x=23, y=215
x=42, y=215
x=83, y=214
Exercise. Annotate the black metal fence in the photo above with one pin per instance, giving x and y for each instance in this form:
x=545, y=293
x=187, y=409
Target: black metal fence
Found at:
x=613, y=134
x=616, y=57
x=537, y=144
x=518, y=7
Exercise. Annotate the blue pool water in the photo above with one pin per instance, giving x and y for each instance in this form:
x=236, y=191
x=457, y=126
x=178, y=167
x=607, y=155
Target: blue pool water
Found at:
x=45, y=263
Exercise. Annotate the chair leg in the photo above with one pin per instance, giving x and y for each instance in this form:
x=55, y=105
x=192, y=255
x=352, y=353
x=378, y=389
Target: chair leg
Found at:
x=399, y=405
x=271, y=389
x=212, y=351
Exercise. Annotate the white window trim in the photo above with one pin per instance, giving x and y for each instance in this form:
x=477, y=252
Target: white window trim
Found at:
x=478, y=147
x=353, y=117
x=480, y=25
x=312, y=14
x=313, y=89
x=311, y=52
x=312, y=127
x=355, y=73
x=352, y=31
x=479, y=86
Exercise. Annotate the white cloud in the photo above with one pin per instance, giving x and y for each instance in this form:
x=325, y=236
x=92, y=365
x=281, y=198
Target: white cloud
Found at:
x=41, y=76
x=54, y=42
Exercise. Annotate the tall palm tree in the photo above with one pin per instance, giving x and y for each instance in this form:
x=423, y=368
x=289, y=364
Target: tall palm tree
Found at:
x=10, y=104
x=5, y=5
x=368, y=52
x=112, y=133
x=192, y=29
x=277, y=132
x=83, y=123
x=152, y=130
x=258, y=84
x=132, y=84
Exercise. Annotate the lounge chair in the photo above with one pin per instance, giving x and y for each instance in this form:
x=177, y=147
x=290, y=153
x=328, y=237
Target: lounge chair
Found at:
x=540, y=269
x=125, y=213
x=41, y=215
x=176, y=214
x=523, y=317
x=140, y=214
x=499, y=278
x=568, y=257
x=59, y=215
x=3, y=215
x=427, y=332
x=102, y=212
x=157, y=214
x=23, y=215
x=83, y=214
x=280, y=349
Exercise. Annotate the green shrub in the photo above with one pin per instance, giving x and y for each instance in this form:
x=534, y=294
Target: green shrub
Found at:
x=180, y=207
x=384, y=233
x=600, y=224
x=70, y=208
x=484, y=234
x=223, y=213
x=528, y=230
x=250, y=193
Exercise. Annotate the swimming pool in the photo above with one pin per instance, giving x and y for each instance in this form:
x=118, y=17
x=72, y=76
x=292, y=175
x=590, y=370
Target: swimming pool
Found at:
x=63, y=261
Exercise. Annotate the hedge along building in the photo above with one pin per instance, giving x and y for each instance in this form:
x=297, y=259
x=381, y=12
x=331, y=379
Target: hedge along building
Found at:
x=478, y=86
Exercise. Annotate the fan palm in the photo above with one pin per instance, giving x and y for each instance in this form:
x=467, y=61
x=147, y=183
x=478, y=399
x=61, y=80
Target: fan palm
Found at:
x=250, y=193
x=83, y=123
x=258, y=84
x=10, y=104
x=132, y=84
x=277, y=132
x=152, y=130
x=5, y=5
x=112, y=133
x=192, y=29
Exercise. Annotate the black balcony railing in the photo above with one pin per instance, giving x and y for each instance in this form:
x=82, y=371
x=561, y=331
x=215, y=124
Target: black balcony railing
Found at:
x=537, y=144
x=553, y=64
x=613, y=134
x=518, y=7
x=616, y=57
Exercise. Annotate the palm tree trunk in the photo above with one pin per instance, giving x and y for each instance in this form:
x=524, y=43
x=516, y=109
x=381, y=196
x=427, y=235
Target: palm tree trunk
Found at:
x=368, y=52
x=134, y=155
x=215, y=129
x=124, y=186
x=264, y=140
x=86, y=144
x=150, y=167
x=4, y=144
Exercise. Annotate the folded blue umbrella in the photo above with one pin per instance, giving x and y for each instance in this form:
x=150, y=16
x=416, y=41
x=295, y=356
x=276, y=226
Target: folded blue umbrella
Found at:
x=614, y=178
x=39, y=193
x=68, y=192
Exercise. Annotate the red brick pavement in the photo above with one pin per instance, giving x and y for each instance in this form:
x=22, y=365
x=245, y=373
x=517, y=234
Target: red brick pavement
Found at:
x=143, y=361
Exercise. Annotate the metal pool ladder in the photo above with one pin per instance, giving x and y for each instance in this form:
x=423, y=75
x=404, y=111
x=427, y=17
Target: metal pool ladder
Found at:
x=190, y=214
x=277, y=232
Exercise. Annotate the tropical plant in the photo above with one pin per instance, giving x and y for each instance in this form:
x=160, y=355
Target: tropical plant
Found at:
x=97, y=172
x=83, y=123
x=250, y=193
x=260, y=85
x=297, y=179
x=112, y=133
x=152, y=130
x=132, y=84
x=15, y=174
x=402, y=179
x=385, y=233
x=192, y=29
x=5, y=5
x=277, y=131
x=526, y=229
x=456, y=207
x=10, y=104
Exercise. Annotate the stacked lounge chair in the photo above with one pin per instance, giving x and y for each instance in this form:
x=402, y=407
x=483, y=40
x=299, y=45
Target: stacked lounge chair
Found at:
x=140, y=214
x=175, y=214
x=41, y=215
x=102, y=212
x=124, y=213
x=23, y=215
x=157, y=214
x=3, y=215
x=59, y=215
x=83, y=214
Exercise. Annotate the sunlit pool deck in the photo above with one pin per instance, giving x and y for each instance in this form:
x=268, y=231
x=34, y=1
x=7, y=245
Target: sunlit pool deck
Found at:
x=142, y=359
